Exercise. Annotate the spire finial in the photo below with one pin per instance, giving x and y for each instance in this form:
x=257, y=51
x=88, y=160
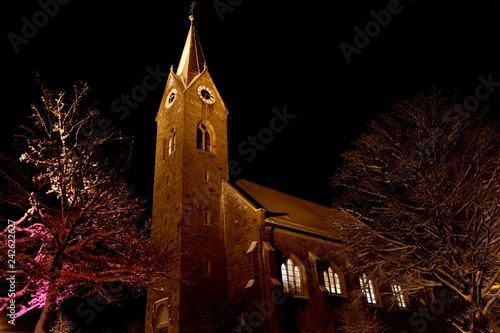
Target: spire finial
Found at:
x=191, y=15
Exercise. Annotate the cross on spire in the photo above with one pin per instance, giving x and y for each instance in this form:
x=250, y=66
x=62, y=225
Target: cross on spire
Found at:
x=191, y=11
x=192, y=61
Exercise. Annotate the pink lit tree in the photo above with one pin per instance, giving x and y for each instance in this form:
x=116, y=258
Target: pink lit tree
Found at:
x=79, y=225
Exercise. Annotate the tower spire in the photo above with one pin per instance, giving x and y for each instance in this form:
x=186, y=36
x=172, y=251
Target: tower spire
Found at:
x=191, y=168
x=192, y=61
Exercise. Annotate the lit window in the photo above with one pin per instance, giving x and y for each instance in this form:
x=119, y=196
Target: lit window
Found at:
x=203, y=138
x=171, y=142
x=368, y=289
x=284, y=276
x=332, y=281
x=298, y=285
x=292, y=277
x=398, y=295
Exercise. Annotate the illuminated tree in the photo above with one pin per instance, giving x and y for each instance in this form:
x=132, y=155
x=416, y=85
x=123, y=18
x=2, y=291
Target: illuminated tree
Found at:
x=61, y=325
x=356, y=317
x=425, y=183
x=81, y=226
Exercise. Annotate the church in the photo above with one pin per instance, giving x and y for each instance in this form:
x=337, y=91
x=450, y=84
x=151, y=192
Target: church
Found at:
x=252, y=259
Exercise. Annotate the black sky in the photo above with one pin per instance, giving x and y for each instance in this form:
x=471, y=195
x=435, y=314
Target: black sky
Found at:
x=262, y=56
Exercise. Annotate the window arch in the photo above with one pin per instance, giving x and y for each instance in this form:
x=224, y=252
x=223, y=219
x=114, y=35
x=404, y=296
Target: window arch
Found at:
x=332, y=281
x=162, y=320
x=329, y=276
x=203, y=138
x=291, y=274
x=368, y=289
x=171, y=142
x=399, y=296
x=207, y=141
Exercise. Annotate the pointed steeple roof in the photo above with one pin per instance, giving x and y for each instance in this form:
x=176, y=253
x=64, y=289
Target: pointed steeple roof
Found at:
x=192, y=61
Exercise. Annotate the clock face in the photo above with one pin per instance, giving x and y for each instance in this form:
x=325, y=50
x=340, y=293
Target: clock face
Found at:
x=206, y=94
x=171, y=97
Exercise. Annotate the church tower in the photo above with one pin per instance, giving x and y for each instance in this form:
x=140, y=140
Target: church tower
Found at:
x=191, y=163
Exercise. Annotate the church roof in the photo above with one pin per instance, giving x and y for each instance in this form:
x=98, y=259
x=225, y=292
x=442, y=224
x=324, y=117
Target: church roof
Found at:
x=294, y=213
x=192, y=61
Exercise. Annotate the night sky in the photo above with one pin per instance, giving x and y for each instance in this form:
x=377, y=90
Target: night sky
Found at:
x=262, y=56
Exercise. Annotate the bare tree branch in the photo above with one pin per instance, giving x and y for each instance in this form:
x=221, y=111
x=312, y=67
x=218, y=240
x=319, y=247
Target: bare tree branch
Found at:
x=424, y=180
x=81, y=225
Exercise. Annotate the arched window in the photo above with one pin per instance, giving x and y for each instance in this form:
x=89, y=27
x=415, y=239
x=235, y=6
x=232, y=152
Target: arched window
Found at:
x=171, y=142
x=332, y=281
x=162, y=320
x=368, y=289
x=203, y=141
x=292, y=277
x=207, y=141
x=199, y=139
x=397, y=292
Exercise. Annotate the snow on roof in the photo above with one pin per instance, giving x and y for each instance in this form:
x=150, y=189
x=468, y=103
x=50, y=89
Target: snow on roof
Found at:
x=295, y=213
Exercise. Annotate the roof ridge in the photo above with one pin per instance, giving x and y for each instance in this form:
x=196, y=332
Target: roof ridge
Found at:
x=286, y=194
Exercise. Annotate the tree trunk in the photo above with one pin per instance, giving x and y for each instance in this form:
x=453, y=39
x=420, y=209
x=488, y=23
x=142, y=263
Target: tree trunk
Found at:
x=43, y=320
x=480, y=324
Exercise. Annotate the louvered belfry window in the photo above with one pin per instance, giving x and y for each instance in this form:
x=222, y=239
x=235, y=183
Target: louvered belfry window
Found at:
x=203, y=140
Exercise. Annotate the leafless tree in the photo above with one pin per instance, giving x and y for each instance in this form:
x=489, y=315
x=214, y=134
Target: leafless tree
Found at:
x=135, y=326
x=61, y=325
x=424, y=180
x=79, y=226
x=356, y=317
